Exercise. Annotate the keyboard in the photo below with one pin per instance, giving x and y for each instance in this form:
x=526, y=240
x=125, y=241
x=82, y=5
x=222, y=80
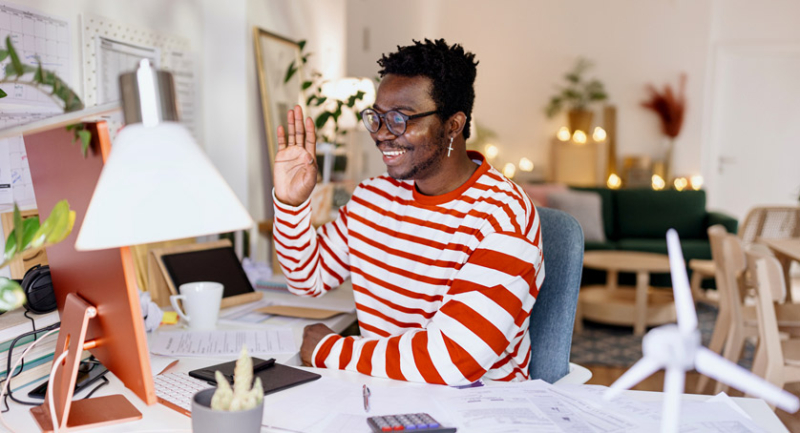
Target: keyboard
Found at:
x=175, y=391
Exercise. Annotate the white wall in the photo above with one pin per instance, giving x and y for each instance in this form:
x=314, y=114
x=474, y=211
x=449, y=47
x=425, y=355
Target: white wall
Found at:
x=524, y=47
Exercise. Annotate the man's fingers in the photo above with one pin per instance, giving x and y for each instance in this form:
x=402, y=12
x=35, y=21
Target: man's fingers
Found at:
x=281, y=138
x=290, y=123
x=299, y=131
x=311, y=137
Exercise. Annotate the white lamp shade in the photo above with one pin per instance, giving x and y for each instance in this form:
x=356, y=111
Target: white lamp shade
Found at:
x=158, y=185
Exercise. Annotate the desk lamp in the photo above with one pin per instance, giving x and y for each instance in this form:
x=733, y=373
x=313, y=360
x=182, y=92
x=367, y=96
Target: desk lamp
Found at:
x=678, y=349
x=156, y=184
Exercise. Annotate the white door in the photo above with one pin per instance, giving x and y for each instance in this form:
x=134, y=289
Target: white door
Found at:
x=755, y=128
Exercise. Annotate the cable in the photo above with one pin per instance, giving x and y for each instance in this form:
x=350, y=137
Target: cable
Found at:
x=11, y=373
x=51, y=400
x=8, y=381
x=33, y=322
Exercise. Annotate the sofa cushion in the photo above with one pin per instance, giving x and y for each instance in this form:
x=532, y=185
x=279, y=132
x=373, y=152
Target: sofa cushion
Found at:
x=607, y=197
x=645, y=213
x=586, y=207
x=538, y=192
x=607, y=245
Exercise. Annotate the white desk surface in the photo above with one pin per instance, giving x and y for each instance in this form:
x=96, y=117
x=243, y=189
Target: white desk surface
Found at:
x=159, y=418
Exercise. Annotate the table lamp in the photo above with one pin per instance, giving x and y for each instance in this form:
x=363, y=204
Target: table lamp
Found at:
x=157, y=184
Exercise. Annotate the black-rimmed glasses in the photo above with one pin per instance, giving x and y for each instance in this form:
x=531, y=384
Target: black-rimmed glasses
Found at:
x=395, y=121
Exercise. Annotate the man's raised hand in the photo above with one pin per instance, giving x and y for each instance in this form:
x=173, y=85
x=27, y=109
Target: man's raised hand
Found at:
x=295, y=168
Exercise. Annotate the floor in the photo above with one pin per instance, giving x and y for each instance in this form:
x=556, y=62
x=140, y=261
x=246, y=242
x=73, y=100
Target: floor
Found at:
x=602, y=375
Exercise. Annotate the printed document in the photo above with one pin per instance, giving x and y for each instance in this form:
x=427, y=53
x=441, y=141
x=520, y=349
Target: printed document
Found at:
x=261, y=342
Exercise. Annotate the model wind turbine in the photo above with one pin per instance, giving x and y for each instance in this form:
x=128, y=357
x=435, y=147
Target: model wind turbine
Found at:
x=678, y=349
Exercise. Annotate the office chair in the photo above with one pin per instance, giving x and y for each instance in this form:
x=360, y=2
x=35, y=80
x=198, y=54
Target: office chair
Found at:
x=553, y=314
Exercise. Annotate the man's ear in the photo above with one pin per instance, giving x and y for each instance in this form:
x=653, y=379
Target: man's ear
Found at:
x=455, y=124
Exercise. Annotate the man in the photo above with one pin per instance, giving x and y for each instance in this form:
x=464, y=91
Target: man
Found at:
x=442, y=251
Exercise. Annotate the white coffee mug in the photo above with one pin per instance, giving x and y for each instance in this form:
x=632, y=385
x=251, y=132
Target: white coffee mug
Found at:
x=201, y=301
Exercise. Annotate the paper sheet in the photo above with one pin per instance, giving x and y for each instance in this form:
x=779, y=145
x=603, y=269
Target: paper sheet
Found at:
x=261, y=342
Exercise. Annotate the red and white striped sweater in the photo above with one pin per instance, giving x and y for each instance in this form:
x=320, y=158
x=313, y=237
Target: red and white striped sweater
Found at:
x=444, y=285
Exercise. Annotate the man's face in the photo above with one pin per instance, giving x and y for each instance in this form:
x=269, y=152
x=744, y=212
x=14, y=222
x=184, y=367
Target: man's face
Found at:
x=417, y=154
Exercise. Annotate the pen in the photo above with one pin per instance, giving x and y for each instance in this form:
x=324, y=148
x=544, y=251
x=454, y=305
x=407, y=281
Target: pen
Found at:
x=366, y=393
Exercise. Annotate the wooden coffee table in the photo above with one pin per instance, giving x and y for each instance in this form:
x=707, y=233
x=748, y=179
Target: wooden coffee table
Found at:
x=639, y=306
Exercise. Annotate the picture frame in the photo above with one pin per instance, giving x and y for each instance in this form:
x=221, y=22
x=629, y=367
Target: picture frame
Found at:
x=274, y=54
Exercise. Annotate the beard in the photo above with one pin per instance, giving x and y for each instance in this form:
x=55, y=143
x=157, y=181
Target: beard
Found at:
x=430, y=157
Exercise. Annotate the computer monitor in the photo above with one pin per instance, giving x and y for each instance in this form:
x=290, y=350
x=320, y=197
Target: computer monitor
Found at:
x=102, y=278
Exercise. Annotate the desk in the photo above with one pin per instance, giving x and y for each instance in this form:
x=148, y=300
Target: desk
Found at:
x=786, y=251
x=159, y=418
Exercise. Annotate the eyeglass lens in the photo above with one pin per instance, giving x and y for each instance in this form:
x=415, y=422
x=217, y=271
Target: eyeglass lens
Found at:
x=395, y=121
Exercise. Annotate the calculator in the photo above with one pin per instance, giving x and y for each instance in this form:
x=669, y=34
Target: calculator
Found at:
x=417, y=422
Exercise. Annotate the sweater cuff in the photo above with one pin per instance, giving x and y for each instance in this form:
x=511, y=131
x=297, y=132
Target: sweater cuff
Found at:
x=283, y=208
x=323, y=349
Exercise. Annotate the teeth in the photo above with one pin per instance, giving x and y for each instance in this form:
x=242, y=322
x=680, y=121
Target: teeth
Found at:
x=394, y=152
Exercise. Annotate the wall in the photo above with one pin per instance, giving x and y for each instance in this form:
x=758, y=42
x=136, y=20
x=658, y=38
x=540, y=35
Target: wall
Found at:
x=524, y=47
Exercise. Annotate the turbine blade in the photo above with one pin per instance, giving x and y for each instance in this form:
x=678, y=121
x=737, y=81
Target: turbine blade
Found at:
x=722, y=370
x=674, y=381
x=638, y=372
x=684, y=304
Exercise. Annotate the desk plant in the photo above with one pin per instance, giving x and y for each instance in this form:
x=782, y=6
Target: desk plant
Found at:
x=46, y=82
x=577, y=96
x=241, y=396
x=28, y=234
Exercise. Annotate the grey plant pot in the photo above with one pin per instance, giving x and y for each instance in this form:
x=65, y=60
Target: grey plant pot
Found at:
x=207, y=420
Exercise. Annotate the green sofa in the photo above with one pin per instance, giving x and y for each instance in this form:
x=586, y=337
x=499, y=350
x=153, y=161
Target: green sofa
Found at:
x=638, y=219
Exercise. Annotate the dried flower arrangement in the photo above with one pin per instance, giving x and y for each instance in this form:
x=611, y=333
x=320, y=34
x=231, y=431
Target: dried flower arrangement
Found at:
x=669, y=105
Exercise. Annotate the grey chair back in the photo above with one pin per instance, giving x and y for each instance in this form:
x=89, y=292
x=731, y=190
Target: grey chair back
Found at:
x=553, y=314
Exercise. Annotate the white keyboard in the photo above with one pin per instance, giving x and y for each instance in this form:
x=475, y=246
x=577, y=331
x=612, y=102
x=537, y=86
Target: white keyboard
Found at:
x=175, y=390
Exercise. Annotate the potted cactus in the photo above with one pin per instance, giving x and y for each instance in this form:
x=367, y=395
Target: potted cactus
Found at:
x=225, y=408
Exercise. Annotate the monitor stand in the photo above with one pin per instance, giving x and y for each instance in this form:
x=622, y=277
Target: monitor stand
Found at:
x=93, y=412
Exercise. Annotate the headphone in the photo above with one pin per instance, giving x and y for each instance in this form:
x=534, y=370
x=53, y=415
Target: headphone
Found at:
x=38, y=289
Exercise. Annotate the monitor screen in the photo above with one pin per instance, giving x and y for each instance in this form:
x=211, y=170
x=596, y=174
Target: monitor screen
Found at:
x=59, y=171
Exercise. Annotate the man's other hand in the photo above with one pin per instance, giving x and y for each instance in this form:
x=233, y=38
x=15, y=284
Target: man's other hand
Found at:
x=312, y=335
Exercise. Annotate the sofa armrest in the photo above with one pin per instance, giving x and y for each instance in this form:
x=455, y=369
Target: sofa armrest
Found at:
x=730, y=223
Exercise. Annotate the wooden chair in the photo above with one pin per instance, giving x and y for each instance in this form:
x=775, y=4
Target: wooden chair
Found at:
x=768, y=222
x=778, y=360
x=737, y=321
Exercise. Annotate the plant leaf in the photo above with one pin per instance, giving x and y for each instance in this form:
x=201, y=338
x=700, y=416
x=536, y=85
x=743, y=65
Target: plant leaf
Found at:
x=56, y=227
x=322, y=119
x=302, y=44
x=18, y=229
x=16, y=64
x=290, y=72
x=307, y=84
x=3, y=94
x=3, y=55
x=86, y=138
x=11, y=295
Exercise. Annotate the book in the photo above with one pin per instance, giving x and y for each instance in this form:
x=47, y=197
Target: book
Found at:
x=14, y=323
x=37, y=373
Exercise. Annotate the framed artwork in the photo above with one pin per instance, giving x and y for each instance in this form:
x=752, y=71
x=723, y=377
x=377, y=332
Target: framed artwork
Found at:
x=274, y=54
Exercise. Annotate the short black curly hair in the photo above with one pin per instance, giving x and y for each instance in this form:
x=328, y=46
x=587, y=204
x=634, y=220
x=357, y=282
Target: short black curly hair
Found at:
x=451, y=69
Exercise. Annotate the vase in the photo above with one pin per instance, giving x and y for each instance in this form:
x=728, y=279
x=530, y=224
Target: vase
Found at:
x=668, y=144
x=580, y=120
x=207, y=420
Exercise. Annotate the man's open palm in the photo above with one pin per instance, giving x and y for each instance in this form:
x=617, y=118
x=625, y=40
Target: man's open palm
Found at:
x=295, y=167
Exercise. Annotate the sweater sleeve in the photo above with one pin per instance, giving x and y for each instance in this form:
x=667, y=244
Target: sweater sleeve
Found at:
x=313, y=262
x=482, y=320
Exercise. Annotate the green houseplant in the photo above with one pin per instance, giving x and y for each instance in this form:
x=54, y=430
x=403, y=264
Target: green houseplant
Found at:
x=28, y=234
x=576, y=97
x=46, y=82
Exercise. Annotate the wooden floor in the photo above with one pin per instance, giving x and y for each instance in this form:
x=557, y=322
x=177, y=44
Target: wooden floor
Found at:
x=602, y=375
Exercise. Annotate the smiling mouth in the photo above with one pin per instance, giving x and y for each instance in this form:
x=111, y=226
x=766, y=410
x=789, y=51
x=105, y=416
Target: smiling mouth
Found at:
x=392, y=153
